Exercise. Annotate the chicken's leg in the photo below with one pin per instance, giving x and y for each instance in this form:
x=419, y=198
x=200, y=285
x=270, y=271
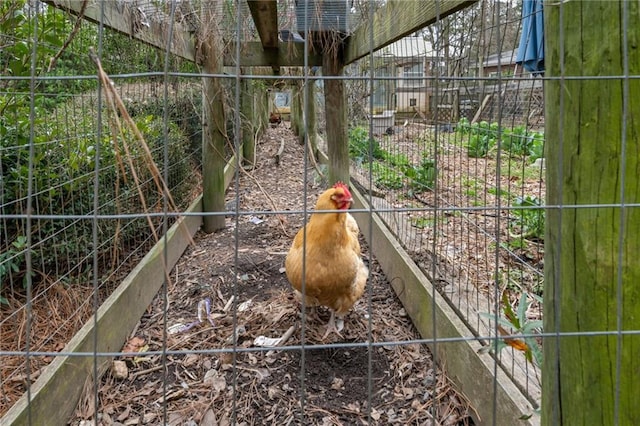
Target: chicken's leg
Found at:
x=331, y=325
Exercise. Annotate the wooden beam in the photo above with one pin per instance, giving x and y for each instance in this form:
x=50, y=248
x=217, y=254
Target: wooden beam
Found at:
x=54, y=396
x=126, y=18
x=265, y=17
x=398, y=19
x=252, y=54
x=472, y=370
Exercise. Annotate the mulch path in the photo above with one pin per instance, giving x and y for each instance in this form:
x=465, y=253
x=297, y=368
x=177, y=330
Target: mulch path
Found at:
x=239, y=270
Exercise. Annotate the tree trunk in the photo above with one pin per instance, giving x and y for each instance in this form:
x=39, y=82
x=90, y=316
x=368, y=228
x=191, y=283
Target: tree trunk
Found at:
x=592, y=260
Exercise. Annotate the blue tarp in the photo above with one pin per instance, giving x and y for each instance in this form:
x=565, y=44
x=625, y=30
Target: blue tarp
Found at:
x=531, y=48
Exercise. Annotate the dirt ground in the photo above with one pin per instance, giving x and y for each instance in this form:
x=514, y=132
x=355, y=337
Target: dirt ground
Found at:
x=239, y=272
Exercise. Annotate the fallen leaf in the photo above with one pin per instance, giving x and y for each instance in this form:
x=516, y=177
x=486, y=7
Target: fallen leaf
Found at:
x=125, y=414
x=133, y=345
x=209, y=419
x=337, y=383
x=119, y=369
x=517, y=344
x=216, y=381
x=375, y=414
x=138, y=359
x=190, y=360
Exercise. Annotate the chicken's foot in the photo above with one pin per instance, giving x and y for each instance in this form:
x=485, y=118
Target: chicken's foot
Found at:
x=331, y=326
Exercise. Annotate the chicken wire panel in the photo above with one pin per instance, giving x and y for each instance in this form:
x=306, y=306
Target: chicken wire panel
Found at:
x=457, y=137
x=162, y=107
x=67, y=157
x=446, y=136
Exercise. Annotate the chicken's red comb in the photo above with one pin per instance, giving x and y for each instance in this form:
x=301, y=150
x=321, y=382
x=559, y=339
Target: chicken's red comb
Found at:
x=340, y=184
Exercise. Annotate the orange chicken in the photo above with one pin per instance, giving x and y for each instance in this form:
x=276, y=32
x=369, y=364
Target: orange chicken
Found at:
x=275, y=118
x=335, y=275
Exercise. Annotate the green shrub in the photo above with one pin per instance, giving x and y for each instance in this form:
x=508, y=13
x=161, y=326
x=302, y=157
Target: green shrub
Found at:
x=63, y=163
x=537, y=147
x=523, y=142
x=396, y=160
x=463, y=126
x=483, y=136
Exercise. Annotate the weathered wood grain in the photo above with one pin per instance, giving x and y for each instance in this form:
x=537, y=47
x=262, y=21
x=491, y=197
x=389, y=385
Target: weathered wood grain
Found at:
x=592, y=268
x=397, y=19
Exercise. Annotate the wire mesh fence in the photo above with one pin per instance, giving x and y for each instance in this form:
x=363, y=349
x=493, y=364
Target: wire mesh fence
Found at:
x=448, y=147
x=67, y=159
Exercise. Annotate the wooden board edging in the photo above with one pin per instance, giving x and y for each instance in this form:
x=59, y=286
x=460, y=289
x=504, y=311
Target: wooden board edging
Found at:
x=473, y=373
x=55, y=394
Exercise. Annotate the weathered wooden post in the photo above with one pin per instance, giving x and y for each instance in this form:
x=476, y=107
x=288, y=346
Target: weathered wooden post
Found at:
x=335, y=104
x=247, y=116
x=214, y=126
x=296, y=110
x=312, y=118
x=592, y=268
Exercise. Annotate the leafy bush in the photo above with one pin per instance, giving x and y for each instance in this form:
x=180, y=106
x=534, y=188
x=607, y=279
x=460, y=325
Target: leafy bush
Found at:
x=387, y=177
x=396, y=160
x=63, y=164
x=537, y=147
x=463, y=126
x=391, y=170
x=520, y=141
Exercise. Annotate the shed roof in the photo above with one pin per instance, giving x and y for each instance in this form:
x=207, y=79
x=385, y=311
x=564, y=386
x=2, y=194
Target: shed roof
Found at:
x=508, y=57
x=407, y=47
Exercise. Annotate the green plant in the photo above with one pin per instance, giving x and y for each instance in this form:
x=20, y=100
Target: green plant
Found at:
x=479, y=146
x=463, y=126
x=63, y=185
x=360, y=143
x=518, y=141
x=422, y=222
x=523, y=142
x=529, y=220
x=494, y=191
x=512, y=323
x=387, y=177
x=396, y=160
x=11, y=262
x=537, y=147
x=423, y=176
